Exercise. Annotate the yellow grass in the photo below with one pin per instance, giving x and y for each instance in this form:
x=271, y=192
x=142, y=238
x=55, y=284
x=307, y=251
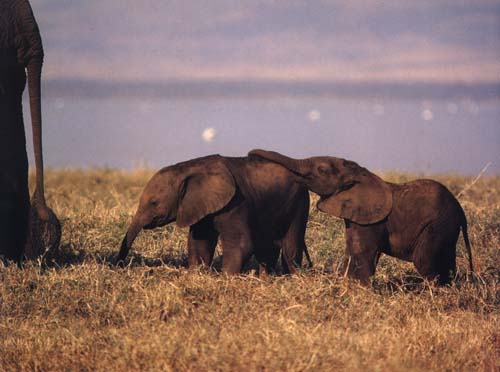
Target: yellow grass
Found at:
x=81, y=314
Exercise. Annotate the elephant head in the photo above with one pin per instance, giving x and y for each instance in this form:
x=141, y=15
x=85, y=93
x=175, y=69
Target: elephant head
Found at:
x=185, y=193
x=346, y=189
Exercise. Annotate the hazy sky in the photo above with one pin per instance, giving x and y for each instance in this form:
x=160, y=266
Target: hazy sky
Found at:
x=424, y=40
x=152, y=41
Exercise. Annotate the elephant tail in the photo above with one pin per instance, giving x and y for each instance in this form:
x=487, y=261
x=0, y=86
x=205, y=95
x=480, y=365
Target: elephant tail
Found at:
x=467, y=242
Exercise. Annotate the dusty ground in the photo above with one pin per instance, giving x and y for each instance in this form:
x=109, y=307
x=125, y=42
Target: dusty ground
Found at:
x=82, y=314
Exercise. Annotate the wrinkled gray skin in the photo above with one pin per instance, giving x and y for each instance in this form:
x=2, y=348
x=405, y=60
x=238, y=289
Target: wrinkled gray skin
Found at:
x=20, y=51
x=417, y=221
x=250, y=205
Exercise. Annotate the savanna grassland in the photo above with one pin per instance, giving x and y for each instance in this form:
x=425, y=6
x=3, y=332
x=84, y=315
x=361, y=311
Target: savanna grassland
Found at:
x=81, y=314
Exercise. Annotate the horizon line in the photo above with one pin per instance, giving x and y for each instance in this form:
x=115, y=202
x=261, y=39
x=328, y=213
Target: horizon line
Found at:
x=255, y=88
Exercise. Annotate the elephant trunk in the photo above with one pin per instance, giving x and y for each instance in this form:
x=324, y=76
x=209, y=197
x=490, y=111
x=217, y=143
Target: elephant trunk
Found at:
x=127, y=241
x=299, y=166
x=34, y=76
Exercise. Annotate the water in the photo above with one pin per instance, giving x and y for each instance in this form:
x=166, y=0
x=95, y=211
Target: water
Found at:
x=412, y=136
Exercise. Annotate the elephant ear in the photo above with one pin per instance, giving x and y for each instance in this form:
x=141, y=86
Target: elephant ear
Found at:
x=366, y=199
x=204, y=192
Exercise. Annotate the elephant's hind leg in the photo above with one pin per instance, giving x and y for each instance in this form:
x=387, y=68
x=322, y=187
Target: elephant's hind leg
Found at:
x=434, y=255
x=447, y=263
x=293, y=245
x=266, y=252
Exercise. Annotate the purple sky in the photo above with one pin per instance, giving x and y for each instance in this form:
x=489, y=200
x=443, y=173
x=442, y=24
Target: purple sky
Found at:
x=151, y=40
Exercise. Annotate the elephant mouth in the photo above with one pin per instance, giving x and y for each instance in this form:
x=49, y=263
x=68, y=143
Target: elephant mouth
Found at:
x=341, y=188
x=326, y=196
x=158, y=222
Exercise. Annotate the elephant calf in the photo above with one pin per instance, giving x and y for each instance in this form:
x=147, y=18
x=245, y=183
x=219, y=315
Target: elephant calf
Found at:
x=251, y=204
x=417, y=221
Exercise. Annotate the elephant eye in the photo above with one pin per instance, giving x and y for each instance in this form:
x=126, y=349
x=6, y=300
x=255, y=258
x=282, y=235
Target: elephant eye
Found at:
x=349, y=164
x=154, y=202
x=323, y=170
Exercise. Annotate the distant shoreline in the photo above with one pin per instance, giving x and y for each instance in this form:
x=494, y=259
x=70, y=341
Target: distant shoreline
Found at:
x=212, y=89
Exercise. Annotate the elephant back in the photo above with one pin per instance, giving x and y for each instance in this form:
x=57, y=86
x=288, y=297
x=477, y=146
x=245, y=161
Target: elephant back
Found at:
x=416, y=204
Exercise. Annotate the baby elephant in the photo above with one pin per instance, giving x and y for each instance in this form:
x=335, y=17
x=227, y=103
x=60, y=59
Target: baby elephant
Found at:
x=252, y=205
x=417, y=221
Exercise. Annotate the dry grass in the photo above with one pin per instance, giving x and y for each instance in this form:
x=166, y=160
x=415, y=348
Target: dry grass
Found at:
x=81, y=314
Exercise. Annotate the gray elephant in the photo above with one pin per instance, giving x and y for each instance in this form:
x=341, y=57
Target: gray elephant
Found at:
x=417, y=221
x=34, y=227
x=251, y=205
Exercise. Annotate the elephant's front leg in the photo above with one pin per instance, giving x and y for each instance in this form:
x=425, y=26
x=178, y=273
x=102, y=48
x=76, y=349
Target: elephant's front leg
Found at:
x=362, y=266
x=236, y=240
x=363, y=247
x=201, y=243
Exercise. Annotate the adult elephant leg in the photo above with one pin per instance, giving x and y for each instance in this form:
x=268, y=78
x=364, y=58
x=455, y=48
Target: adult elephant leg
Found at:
x=8, y=240
x=14, y=193
x=14, y=209
x=201, y=243
x=22, y=228
x=14, y=212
